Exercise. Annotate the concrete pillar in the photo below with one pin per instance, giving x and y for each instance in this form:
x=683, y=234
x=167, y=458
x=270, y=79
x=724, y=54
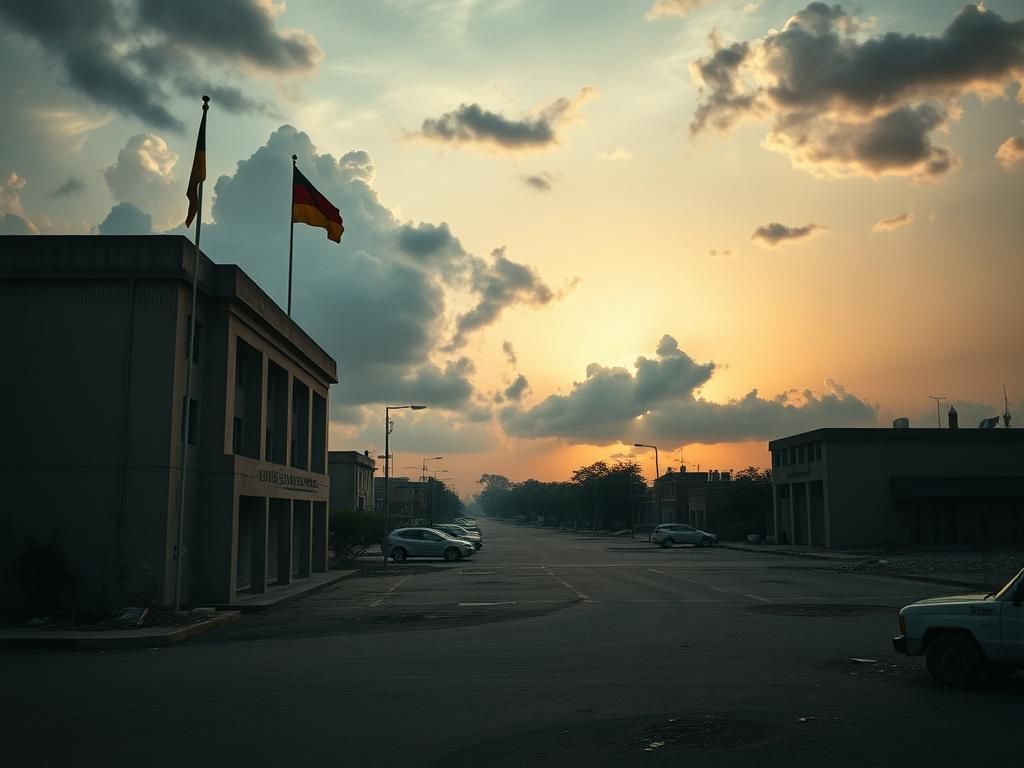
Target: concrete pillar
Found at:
x=284, y=542
x=320, y=537
x=260, y=523
x=810, y=513
x=775, y=513
x=303, y=520
x=825, y=512
x=264, y=389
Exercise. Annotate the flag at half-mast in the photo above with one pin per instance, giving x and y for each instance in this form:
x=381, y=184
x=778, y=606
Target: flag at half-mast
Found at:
x=198, y=175
x=310, y=207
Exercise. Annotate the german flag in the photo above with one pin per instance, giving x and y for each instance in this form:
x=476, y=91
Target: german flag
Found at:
x=198, y=175
x=310, y=207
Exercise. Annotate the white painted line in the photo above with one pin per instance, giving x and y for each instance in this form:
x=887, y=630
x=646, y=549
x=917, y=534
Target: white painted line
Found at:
x=755, y=597
x=697, y=583
x=570, y=587
x=473, y=605
x=395, y=586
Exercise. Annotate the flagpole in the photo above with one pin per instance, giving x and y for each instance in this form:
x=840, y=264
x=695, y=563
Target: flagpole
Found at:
x=179, y=541
x=291, y=236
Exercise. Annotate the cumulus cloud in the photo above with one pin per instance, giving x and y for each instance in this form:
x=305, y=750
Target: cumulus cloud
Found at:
x=1011, y=151
x=659, y=401
x=13, y=220
x=776, y=234
x=517, y=389
x=539, y=181
x=842, y=103
x=471, y=124
x=73, y=187
x=893, y=222
x=510, y=353
x=663, y=8
x=128, y=54
x=144, y=175
x=379, y=301
x=126, y=219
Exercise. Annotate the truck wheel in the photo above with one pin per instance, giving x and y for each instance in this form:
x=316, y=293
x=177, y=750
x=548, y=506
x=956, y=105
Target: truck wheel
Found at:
x=953, y=659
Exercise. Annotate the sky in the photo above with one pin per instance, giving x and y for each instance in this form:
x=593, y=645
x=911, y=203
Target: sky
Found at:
x=569, y=227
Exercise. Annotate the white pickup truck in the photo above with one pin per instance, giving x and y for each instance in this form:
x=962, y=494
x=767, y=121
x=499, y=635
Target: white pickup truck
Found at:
x=967, y=637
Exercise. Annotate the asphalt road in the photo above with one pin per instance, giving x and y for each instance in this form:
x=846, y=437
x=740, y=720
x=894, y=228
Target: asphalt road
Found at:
x=546, y=648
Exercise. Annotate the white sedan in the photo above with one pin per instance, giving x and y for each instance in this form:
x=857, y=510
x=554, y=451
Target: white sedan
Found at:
x=679, y=533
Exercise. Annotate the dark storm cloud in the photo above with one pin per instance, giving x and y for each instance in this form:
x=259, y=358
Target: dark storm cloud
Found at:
x=510, y=353
x=70, y=188
x=126, y=219
x=660, y=401
x=844, y=105
x=376, y=302
x=540, y=181
x=776, y=233
x=498, y=285
x=127, y=55
x=517, y=389
x=472, y=124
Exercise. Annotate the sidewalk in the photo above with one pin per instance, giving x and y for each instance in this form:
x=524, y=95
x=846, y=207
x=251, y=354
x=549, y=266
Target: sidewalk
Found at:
x=275, y=595
x=818, y=553
x=42, y=638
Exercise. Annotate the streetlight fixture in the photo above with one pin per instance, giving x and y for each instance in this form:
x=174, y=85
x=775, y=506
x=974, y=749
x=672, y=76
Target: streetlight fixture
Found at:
x=657, y=474
x=423, y=475
x=388, y=426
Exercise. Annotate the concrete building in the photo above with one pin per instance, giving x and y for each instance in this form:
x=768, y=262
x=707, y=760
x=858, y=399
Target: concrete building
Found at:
x=673, y=490
x=96, y=330
x=899, y=487
x=351, y=474
x=732, y=509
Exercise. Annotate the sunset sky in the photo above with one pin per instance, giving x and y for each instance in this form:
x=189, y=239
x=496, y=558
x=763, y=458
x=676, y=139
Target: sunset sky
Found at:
x=570, y=226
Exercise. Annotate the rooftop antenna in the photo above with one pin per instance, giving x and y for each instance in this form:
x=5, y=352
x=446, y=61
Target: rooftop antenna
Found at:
x=1006, y=409
x=938, y=400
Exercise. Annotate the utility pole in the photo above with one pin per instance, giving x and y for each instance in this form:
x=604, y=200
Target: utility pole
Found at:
x=938, y=400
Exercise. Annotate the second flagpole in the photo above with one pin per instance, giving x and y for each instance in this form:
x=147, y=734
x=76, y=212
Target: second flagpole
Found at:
x=291, y=236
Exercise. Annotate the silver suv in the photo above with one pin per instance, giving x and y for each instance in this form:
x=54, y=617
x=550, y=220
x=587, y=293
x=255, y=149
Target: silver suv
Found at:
x=425, y=542
x=668, y=534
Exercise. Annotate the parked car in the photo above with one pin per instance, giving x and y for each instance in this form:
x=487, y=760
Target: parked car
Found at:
x=426, y=542
x=965, y=638
x=679, y=533
x=461, y=533
x=471, y=527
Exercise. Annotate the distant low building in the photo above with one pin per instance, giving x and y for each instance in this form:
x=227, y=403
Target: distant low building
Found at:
x=874, y=488
x=352, y=486
x=96, y=330
x=670, y=494
x=732, y=509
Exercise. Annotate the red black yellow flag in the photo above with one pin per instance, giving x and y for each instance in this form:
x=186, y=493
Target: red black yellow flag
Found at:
x=198, y=175
x=310, y=207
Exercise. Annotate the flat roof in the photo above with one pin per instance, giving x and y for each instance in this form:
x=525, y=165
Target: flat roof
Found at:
x=154, y=257
x=350, y=457
x=890, y=434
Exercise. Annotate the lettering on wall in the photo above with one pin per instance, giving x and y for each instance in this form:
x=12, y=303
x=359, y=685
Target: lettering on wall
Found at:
x=289, y=481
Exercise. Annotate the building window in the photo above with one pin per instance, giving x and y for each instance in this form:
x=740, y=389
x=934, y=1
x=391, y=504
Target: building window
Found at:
x=319, y=434
x=817, y=451
x=300, y=425
x=193, y=421
x=277, y=414
x=801, y=454
x=245, y=428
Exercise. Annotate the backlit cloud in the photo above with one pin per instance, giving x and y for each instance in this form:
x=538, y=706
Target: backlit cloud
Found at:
x=662, y=8
x=144, y=175
x=659, y=401
x=1011, y=151
x=842, y=103
x=776, y=234
x=12, y=213
x=471, y=124
x=893, y=222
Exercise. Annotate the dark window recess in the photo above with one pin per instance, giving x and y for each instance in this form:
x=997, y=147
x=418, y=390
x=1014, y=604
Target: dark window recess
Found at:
x=200, y=336
x=277, y=414
x=319, y=435
x=193, y=422
x=300, y=425
x=245, y=432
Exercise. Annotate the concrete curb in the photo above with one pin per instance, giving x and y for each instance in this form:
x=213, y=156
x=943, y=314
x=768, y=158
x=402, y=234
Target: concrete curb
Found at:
x=114, y=639
x=795, y=553
x=270, y=601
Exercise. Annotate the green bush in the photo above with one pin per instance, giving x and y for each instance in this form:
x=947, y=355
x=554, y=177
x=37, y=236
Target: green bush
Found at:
x=349, y=529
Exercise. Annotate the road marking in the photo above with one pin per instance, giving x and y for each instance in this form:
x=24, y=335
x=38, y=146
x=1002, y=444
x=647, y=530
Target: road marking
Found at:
x=697, y=583
x=755, y=597
x=570, y=587
x=377, y=602
x=474, y=605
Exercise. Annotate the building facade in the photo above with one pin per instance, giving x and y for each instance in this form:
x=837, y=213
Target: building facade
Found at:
x=899, y=488
x=93, y=456
x=351, y=474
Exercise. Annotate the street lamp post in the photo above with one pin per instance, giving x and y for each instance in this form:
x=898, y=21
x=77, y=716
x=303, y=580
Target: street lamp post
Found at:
x=388, y=426
x=423, y=474
x=657, y=474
